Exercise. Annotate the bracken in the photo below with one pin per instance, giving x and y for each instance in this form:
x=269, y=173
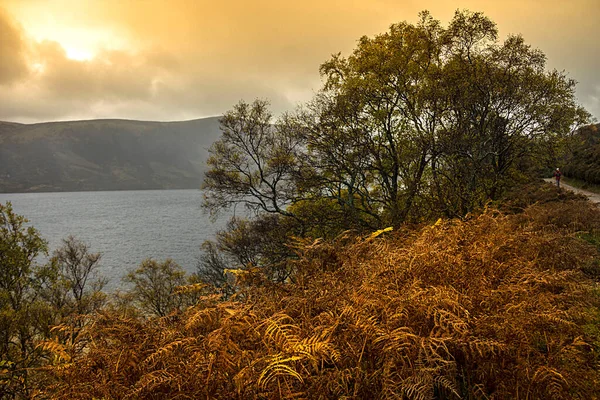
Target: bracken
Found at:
x=494, y=307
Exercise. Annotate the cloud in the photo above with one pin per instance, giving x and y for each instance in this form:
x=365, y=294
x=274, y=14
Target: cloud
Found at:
x=161, y=60
x=13, y=64
x=111, y=75
x=153, y=84
x=58, y=86
x=161, y=79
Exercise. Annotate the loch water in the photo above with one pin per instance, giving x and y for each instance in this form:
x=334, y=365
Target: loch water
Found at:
x=126, y=227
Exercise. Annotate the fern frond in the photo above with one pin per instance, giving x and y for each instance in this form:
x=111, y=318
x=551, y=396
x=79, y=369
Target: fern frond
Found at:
x=379, y=232
x=57, y=349
x=167, y=349
x=193, y=288
x=150, y=381
x=282, y=335
x=278, y=368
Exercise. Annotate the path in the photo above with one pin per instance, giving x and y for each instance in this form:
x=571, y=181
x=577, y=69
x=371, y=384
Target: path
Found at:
x=594, y=197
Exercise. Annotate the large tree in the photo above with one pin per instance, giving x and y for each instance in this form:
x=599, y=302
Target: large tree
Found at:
x=420, y=121
x=446, y=113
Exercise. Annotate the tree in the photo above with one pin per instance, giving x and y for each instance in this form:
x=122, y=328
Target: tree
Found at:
x=154, y=286
x=23, y=315
x=387, y=82
x=446, y=112
x=260, y=242
x=581, y=159
x=211, y=268
x=253, y=163
x=77, y=289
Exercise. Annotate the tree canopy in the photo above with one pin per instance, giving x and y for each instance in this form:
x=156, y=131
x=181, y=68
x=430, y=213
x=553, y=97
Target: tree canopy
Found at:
x=420, y=121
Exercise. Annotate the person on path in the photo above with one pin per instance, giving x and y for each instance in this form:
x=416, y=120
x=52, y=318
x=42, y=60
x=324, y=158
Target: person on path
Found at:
x=557, y=174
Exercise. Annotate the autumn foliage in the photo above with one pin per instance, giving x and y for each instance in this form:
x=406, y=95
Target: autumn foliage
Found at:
x=494, y=306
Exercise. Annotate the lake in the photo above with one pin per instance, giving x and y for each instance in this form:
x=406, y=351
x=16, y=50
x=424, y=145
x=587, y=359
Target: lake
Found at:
x=126, y=227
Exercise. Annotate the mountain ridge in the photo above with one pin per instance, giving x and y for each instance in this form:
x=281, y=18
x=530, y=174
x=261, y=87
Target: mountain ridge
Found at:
x=104, y=154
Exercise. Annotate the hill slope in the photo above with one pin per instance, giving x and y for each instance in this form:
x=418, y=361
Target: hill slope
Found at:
x=104, y=155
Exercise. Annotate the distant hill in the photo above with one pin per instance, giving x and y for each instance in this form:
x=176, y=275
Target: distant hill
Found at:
x=583, y=160
x=104, y=155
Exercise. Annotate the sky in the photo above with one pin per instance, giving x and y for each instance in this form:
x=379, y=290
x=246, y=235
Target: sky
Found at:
x=167, y=60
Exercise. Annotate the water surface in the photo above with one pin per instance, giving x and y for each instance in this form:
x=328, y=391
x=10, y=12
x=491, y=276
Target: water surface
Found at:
x=126, y=227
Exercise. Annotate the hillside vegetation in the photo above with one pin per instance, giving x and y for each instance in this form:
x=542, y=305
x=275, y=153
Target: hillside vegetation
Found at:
x=104, y=155
x=497, y=306
x=583, y=156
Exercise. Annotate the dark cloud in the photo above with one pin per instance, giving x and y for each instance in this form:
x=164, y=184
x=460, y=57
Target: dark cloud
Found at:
x=110, y=76
x=13, y=64
x=117, y=84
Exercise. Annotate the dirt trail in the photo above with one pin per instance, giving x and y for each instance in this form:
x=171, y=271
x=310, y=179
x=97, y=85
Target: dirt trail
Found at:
x=594, y=197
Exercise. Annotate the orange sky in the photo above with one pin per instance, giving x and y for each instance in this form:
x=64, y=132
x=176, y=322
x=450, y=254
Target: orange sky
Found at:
x=183, y=59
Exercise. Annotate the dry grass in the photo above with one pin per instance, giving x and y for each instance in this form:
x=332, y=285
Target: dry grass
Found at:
x=496, y=307
x=536, y=192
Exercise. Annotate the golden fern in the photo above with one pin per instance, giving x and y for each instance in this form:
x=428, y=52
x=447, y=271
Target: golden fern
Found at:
x=150, y=382
x=477, y=308
x=165, y=350
x=280, y=334
x=316, y=347
x=552, y=380
x=278, y=368
x=379, y=232
x=192, y=288
x=58, y=350
x=202, y=317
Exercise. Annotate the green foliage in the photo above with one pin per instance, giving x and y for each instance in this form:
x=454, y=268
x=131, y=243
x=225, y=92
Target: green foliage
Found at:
x=419, y=122
x=582, y=158
x=23, y=316
x=19, y=247
x=154, y=286
x=448, y=114
x=328, y=217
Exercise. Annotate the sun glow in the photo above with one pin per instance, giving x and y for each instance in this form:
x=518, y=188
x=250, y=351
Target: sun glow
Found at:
x=80, y=40
x=78, y=53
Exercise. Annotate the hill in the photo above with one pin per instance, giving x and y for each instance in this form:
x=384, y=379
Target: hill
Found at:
x=104, y=155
